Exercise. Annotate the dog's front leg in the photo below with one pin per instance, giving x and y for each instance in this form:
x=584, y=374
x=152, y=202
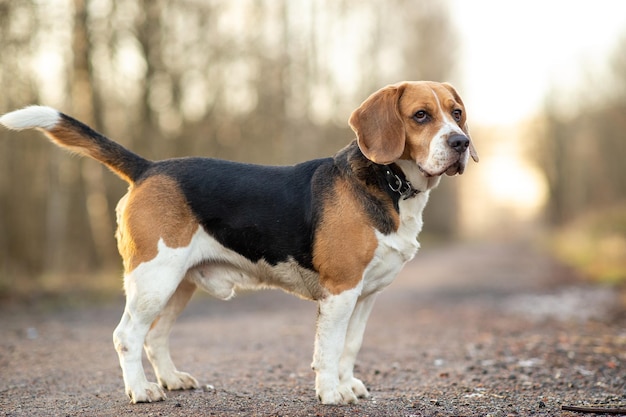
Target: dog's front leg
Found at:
x=334, y=314
x=354, y=338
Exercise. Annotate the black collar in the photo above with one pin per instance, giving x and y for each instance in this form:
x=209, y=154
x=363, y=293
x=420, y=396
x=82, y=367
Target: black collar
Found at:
x=398, y=183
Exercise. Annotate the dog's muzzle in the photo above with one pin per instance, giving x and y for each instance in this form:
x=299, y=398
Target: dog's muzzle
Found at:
x=460, y=144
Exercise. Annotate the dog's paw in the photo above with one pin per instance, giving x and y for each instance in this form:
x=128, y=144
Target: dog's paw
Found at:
x=148, y=393
x=340, y=395
x=357, y=387
x=178, y=381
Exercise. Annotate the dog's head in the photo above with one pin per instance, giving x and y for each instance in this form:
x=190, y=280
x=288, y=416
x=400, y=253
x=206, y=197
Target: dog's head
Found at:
x=420, y=121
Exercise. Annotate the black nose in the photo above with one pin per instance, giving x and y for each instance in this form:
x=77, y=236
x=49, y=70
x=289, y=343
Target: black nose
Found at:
x=458, y=142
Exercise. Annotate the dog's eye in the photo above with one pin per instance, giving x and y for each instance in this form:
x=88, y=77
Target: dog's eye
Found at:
x=421, y=116
x=457, y=114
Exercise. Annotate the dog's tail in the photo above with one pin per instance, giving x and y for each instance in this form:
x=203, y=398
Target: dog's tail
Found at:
x=71, y=134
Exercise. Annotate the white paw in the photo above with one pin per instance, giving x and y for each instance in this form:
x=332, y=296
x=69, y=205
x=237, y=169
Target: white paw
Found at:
x=357, y=387
x=150, y=392
x=178, y=380
x=338, y=395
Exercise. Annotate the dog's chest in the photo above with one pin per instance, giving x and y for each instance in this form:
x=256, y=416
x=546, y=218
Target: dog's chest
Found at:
x=395, y=249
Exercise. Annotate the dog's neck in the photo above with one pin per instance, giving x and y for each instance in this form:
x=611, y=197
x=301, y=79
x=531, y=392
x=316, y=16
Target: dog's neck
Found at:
x=417, y=178
x=353, y=161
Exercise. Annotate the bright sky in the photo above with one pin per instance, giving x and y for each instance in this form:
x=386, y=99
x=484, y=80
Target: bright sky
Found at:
x=515, y=50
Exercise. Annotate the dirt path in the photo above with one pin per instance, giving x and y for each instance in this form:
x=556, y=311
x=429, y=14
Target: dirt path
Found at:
x=475, y=330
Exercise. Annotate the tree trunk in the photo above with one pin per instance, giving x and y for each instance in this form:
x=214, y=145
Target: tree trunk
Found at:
x=83, y=99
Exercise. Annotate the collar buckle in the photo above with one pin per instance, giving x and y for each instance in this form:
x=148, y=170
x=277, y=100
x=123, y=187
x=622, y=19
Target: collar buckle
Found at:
x=400, y=185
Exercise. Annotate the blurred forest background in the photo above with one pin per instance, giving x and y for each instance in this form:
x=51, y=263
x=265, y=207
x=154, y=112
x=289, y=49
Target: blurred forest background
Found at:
x=264, y=81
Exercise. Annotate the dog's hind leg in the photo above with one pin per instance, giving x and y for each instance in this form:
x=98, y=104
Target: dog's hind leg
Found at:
x=157, y=341
x=148, y=290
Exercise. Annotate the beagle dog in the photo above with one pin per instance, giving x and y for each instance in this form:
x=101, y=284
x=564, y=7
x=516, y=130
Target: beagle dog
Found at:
x=334, y=230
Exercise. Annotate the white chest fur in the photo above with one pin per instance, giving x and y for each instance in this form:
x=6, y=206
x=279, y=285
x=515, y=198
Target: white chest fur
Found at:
x=395, y=249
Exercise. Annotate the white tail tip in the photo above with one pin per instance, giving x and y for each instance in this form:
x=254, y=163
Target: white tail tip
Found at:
x=31, y=117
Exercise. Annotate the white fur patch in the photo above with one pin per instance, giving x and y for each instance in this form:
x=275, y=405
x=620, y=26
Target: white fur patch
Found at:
x=396, y=249
x=222, y=272
x=31, y=117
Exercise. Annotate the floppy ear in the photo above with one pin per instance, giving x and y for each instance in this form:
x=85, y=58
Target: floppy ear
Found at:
x=457, y=97
x=379, y=127
x=472, y=149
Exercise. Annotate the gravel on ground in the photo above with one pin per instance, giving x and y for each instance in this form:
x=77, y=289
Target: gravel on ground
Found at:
x=483, y=329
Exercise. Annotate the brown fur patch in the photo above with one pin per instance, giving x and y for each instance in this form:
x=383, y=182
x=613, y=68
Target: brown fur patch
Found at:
x=68, y=137
x=379, y=127
x=83, y=140
x=152, y=210
x=345, y=240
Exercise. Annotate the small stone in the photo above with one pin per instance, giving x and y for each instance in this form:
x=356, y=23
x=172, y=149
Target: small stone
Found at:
x=32, y=333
